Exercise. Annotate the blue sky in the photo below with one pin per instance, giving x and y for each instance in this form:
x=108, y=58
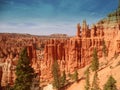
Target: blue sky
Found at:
x=44, y=17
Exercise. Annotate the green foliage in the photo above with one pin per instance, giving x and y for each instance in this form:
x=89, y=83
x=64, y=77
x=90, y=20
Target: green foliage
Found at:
x=104, y=49
x=75, y=76
x=87, y=72
x=63, y=79
x=69, y=75
x=8, y=87
x=24, y=72
x=116, y=55
x=111, y=67
x=56, y=75
x=95, y=62
x=95, y=84
x=110, y=85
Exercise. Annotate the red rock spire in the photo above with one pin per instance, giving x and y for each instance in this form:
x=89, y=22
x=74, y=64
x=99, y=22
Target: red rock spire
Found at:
x=78, y=29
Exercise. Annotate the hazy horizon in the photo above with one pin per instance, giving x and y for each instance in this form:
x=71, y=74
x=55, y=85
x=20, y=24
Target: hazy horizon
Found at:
x=45, y=17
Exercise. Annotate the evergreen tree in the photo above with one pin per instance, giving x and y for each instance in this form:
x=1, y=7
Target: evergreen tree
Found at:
x=95, y=67
x=8, y=87
x=87, y=86
x=69, y=75
x=24, y=72
x=75, y=76
x=95, y=84
x=63, y=79
x=104, y=49
x=95, y=62
x=56, y=75
x=110, y=85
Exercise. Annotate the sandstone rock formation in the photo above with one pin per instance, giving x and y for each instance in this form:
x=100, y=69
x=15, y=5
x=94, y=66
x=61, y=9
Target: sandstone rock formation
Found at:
x=10, y=47
x=76, y=52
x=71, y=53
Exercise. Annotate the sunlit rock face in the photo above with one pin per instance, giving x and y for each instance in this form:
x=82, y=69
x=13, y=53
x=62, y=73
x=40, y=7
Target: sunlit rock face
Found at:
x=76, y=52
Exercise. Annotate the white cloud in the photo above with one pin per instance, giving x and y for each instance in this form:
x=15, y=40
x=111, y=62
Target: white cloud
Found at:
x=39, y=28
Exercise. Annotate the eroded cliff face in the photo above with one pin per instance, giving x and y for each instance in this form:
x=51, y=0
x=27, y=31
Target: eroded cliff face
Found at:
x=71, y=53
x=76, y=52
x=10, y=47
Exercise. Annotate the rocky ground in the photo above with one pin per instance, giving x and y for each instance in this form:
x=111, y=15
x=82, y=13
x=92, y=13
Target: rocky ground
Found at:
x=106, y=69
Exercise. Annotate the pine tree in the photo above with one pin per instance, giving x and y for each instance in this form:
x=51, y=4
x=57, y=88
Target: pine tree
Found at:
x=95, y=83
x=104, y=49
x=56, y=75
x=95, y=62
x=8, y=87
x=24, y=72
x=63, y=79
x=87, y=86
x=75, y=76
x=95, y=67
x=110, y=85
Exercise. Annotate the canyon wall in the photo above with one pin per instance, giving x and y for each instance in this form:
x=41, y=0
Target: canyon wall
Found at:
x=76, y=52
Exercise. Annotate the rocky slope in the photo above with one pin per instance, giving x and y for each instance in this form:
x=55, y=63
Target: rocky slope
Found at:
x=105, y=70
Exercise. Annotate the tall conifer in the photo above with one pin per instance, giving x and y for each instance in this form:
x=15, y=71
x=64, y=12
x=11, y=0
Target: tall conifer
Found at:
x=24, y=72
